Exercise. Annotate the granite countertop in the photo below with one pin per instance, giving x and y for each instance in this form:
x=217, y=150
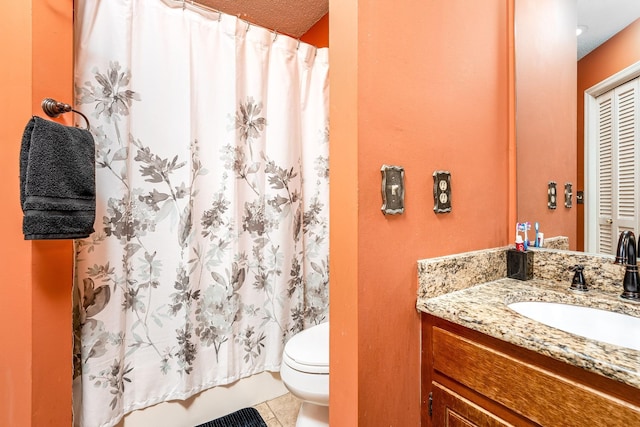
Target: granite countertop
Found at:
x=483, y=308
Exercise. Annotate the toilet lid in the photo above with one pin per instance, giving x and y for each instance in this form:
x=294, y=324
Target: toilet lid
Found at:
x=308, y=351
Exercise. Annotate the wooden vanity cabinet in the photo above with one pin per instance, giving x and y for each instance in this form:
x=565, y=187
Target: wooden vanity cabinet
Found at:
x=471, y=379
x=451, y=409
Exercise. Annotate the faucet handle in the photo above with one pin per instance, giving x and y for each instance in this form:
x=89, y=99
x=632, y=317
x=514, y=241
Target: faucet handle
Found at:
x=578, y=283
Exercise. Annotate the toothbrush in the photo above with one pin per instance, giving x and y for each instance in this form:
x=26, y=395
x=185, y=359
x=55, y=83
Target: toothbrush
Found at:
x=537, y=227
x=523, y=227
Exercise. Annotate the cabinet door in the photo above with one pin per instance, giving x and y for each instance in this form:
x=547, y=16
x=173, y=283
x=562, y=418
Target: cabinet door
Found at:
x=452, y=410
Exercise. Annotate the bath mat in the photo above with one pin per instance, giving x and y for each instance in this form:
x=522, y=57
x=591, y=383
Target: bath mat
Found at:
x=247, y=417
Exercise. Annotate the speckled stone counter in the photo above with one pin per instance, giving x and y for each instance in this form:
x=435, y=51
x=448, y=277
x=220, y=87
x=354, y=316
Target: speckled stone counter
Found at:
x=438, y=276
x=441, y=275
x=471, y=289
x=600, y=273
x=484, y=308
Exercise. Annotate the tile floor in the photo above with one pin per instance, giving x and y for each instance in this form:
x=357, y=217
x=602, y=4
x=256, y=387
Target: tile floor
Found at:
x=280, y=412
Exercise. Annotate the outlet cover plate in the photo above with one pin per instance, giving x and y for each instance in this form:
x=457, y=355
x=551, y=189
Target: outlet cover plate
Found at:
x=441, y=191
x=552, y=195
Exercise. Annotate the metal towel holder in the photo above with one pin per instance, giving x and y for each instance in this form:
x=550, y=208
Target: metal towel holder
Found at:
x=53, y=108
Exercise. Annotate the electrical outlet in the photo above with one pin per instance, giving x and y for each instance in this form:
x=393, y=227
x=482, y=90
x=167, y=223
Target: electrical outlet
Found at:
x=552, y=195
x=441, y=192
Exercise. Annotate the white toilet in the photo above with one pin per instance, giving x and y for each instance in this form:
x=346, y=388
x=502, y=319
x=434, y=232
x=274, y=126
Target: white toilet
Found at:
x=305, y=373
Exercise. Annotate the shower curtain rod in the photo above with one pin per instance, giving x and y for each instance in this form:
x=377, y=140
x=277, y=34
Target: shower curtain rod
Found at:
x=195, y=4
x=184, y=3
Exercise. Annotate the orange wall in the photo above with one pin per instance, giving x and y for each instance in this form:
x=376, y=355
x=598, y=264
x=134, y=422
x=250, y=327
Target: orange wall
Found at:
x=35, y=288
x=318, y=35
x=409, y=87
x=616, y=54
x=397, y=85
x=546, y=112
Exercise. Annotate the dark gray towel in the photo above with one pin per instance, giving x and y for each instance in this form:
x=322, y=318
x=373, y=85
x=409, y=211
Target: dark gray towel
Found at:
x=57, y=181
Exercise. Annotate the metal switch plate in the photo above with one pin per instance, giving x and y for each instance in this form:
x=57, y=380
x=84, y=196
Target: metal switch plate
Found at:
x=392, y=190
x=552, y=195
x=441, y=191
x=568, y=195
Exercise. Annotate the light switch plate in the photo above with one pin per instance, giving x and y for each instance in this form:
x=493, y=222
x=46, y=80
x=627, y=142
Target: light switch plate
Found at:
x=392, y=190
x=441, y=191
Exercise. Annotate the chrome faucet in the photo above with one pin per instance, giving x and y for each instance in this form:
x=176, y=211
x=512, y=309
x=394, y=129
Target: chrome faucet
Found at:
x=626, y=255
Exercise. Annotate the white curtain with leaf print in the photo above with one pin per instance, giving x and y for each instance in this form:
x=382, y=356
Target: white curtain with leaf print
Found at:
x=211, y=242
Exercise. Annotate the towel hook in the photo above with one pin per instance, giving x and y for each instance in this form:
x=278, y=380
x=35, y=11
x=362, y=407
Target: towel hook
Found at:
x=53, y=108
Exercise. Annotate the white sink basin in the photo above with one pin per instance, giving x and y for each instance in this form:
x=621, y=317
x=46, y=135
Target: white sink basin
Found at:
x=600, y=325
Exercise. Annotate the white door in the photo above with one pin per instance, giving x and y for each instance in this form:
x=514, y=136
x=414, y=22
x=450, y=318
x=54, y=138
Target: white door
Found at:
x=617, y=160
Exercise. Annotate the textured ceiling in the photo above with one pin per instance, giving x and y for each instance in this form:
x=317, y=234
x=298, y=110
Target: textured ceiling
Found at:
x=603, y=19
x=290, y=17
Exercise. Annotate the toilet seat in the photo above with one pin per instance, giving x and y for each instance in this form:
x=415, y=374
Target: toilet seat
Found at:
x=308, y=351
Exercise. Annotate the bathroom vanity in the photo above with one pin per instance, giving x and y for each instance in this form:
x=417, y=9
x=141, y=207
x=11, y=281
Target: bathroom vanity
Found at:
x=470, y=379
x=485, y=364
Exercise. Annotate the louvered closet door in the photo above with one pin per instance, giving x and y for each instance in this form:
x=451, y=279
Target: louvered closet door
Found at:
x=617, y=178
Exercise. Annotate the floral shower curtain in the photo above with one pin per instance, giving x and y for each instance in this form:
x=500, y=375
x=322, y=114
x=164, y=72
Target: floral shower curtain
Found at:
x=211, y=242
